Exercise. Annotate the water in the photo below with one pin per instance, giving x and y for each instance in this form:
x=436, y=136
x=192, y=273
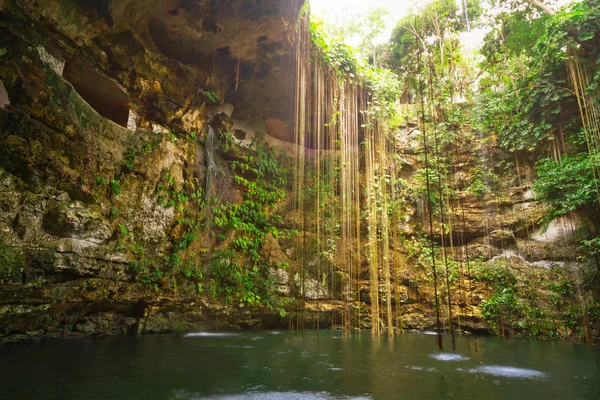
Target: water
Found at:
x=277, y=365
x=211, y=166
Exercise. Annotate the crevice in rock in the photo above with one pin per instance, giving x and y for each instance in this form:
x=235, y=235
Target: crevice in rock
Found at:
x=102, y=8
x=209, y=25
x=239, y=134
x=4, y=99
x=102, y=94
x=200, y=53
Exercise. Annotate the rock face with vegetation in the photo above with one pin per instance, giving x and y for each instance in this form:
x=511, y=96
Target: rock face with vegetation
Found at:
x=159, y=172
x=99, y=183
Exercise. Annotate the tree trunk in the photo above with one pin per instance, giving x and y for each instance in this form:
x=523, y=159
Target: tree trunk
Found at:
x=541, y=6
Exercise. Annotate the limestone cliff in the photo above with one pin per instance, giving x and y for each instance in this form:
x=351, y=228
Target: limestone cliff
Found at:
x=96, y=97
x=104, y=111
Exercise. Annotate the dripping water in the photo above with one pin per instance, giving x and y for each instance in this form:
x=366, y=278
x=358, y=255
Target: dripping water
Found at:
x=211, y=167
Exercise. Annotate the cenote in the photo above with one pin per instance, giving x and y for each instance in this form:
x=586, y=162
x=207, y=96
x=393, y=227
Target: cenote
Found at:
x=280, y=365
x=210, y=199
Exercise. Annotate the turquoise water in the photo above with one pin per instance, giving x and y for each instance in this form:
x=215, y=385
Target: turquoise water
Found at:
x=278, y=365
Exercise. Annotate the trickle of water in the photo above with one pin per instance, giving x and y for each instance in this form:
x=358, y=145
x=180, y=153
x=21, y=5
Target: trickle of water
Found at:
x=211, y=167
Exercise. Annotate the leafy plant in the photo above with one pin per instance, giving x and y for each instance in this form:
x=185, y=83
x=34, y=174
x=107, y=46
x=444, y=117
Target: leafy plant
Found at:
x=123, y=229
x=226, y=140
x=211, y=96
x=114, y=213
x=239, y=272
x=130, y=156
x=503, y=306
x=115, y=185
x=566, y=185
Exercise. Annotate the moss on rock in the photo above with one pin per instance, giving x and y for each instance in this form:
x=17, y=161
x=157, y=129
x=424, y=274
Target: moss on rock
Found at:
x=11, y=263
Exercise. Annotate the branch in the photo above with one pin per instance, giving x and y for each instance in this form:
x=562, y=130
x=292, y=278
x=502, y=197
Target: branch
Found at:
x=541, y=6
x=491, y=64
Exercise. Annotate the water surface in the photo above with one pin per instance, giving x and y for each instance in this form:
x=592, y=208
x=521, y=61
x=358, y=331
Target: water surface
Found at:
x=277, y=365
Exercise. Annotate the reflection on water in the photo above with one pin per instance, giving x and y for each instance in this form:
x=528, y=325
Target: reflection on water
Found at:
x=211, y=334
x=180, y=395
x=508, y=371
x=448, y=357
x=261, y=365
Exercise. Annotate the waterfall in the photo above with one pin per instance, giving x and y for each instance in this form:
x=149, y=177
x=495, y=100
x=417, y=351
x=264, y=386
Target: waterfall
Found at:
x=211, y=167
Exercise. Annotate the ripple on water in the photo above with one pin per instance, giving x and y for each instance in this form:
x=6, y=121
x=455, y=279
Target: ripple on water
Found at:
x=510, y=372
x=448, y=357
x=211, y=334
x=182, y=395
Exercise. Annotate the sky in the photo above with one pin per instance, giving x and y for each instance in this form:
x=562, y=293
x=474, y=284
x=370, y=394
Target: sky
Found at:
x=332, y=10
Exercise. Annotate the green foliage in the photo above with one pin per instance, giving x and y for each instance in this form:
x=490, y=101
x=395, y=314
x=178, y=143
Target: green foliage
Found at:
x=143, y=268
x=115, y=185
x=515, y=33
x=527, y=99
x=385, y=88
x=123, y=229
x=347, y=63
x=591, y=248
x=367, y=27
x=100, y=180
x=542, y=305
x=482, y=181
x=527, y=117
x=170, y=196
x=147, y=148
x=230, y=280
x=130, y=156
x=144, y=145
x=226, y=140
x=211, y=96
x=177, y=262
x=568, y=312
x=425, y=46
x=114, y=213
x=262, y=179
x=566, y=185
x=12, y=263
x=338, y=55
x=239, y=271
x=504, y=305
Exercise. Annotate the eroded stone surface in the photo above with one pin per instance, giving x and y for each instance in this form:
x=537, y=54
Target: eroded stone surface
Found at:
x=4, y=100
x=79, y=194
x=56, y=64
x=79, y=221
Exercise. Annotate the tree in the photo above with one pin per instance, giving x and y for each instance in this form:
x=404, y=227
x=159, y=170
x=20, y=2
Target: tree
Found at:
x=372, y=27
x=541, y=6
x=368, y=28
x=433, y=30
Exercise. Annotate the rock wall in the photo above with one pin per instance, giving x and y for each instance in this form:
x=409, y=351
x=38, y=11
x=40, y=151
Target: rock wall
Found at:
x=103, y=110
x=98, y=104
